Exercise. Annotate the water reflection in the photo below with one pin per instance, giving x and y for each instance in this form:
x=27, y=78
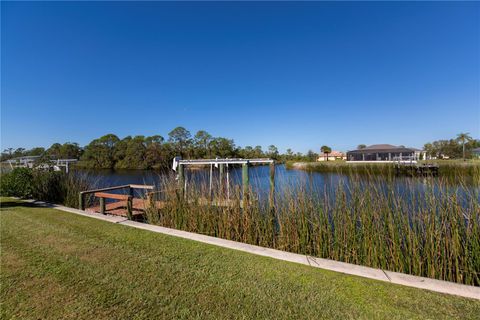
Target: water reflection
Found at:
x=294, y=181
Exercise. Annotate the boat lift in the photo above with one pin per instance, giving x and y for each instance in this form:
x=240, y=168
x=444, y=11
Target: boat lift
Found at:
x=31, y=162
x=223, y=166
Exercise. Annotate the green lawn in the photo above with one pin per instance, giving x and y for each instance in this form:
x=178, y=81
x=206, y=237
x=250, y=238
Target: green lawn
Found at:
x=60, y=265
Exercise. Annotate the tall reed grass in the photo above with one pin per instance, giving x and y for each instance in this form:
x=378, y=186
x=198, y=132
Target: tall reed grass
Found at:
x=432, y=230
x=52, y=186
x=344, y=167
x=445, y=167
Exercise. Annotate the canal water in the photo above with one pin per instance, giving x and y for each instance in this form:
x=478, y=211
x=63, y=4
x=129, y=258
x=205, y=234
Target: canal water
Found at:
x=285, y=180
x=259, y=177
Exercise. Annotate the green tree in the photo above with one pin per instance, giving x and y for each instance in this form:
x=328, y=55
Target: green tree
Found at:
x=444, y=148
x=248, y=152
x=37, y=151
x=180, y=139
x=156, y=139
x=134, y=154
x=222, y=147
x=429, y=149
x=167, y=153
x=201, y=142
x=258, y=152
x=361, y=146
x=312, y=156
x=121, y=149
x=55, y=150
x=7, y=154
x=464, y=138
x=70, y=150
x=326, y=150
x=273, y=152
x=289, y=154
x=154, y=147
x=19, y=152
x=100, y=153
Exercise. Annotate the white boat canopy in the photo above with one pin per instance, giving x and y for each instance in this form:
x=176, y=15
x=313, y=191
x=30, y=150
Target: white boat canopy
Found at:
x=179, y=163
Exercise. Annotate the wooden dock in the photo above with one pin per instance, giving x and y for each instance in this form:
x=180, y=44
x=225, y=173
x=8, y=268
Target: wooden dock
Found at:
x=126, y=205
x=139, y=206
x=120, y=208
x=415, y=169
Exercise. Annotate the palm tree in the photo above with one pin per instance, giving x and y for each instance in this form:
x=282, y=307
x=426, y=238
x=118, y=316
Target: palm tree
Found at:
x=463, y=138
x=326, y=150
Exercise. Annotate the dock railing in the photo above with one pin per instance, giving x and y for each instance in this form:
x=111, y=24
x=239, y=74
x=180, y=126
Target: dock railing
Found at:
x=103, y=195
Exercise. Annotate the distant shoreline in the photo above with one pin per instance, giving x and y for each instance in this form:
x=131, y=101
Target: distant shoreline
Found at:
x=446, y=167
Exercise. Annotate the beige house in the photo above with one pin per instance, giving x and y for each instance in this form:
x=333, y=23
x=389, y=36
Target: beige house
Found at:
x=332, y=156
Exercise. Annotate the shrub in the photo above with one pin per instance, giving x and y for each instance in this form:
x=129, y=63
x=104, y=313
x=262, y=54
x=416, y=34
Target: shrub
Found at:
x=17, y=183
x=52, y=186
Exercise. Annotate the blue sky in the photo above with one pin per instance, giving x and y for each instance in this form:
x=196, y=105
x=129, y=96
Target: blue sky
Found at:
x=296, y=75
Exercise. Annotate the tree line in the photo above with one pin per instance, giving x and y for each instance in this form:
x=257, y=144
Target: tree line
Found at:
x=156, y=152
x=459, y=147
x=153, y=152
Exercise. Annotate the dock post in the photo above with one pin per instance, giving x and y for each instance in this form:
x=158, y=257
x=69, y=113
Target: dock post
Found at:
x=81, y=204
x=228, y=183
x=210, y=192
x=272, y=185
x=130, y=191
x=102, y=205
x=181, y=178
x=129, y=208
x=220, y=179
x=273, y=213
x=245, y=183
x=150, y=200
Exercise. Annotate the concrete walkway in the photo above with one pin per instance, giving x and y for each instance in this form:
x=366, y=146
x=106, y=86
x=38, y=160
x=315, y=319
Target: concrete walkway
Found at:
x=346, y=268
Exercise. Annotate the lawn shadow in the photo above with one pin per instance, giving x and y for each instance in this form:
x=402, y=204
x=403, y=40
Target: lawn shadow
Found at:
x=12, y=204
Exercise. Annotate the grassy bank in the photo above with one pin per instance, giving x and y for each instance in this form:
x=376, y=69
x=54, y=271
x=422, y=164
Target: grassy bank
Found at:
x=456, y=167
x=431, y=230
x=343, y=167
x=59, y=265
x=449, y=168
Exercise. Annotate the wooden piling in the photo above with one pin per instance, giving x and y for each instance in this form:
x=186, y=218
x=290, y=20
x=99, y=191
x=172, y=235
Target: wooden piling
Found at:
x=81, y=203
x=131, y=191
x=245, y=184
x=150, y=200
x=129, y=208
x=220, y=179
x=210, y=192
x=272, y=185
x=102, y=205
x=181, y=178
x=273, y=213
